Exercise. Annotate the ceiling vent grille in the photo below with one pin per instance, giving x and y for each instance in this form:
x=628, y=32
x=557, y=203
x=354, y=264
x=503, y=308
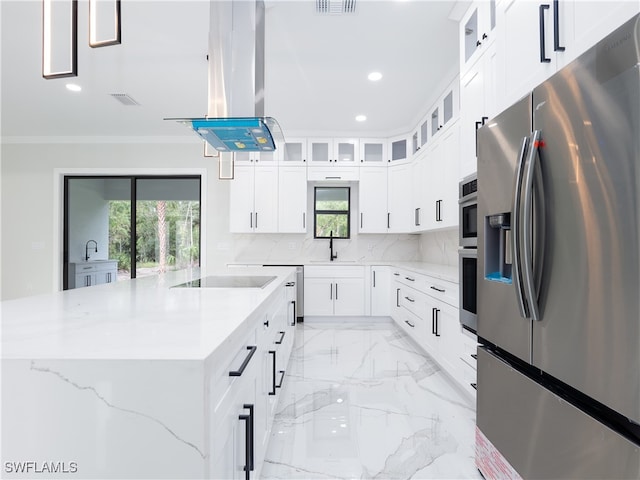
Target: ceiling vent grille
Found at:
x=335, y=6
x=124, y=99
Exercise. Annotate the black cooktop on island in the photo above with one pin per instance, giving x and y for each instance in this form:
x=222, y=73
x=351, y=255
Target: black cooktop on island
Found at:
x=229, y=281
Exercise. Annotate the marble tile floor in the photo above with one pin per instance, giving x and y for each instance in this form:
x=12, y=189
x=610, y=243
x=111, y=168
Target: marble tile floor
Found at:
x=361, y=401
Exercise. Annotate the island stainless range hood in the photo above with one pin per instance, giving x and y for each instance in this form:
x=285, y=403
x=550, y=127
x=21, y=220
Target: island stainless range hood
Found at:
x=235, y=118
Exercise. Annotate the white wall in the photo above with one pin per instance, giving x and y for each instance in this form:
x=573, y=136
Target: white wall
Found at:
x=88, y=219
x=31, y=212
x=31, y=200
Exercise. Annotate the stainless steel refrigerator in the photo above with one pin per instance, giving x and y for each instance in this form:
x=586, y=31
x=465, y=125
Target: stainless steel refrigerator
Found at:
x=559, y=273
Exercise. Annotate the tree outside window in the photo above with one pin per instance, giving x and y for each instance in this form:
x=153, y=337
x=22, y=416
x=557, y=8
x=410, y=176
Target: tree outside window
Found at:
x=331, y=212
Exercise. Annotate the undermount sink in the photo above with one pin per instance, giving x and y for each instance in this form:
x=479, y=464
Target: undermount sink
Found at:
x=332, y=262
x=229, y=281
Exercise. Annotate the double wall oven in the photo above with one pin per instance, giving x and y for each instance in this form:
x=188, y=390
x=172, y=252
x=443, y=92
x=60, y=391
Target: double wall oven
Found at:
x=468, y=252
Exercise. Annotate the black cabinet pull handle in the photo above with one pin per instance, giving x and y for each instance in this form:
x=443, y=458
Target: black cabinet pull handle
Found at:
x=273, y=376
x=279, y=342
x=304, y=220
x=474, y=356
x=248, y=440
x=279, y=385
x=410, y=299
x=409, y=323
x=543, y=54
x=331, y=291
x=474, y=385
x=478, y=43
x=396, y=274
x=256, y=219
x=397, y=297
x=433, y=321
x=556, y=27
x=250, y=219
x=336, y=291
x=266, y=323
x=290, y=284
x=360, y=219
x=437, y=322
x=441, y=290
x=388, y=220
x=293, y=320
x=374, y=279
x=478, y=125
x=484, y=36
x=410, y=279
x=236, y=373
x=247, y=445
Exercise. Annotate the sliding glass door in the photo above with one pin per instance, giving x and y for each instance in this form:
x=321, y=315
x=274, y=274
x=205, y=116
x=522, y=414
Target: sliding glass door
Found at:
x=142, y=225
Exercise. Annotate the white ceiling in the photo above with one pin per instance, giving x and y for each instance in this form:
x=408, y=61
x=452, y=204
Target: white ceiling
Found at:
x=316, y=68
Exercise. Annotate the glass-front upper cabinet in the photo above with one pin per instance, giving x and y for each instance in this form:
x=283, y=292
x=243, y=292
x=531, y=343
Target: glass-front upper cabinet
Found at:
x=373, y=150
x=294, y=151
x=332, y=150
x=476, y=30
x=424, y=132
x=398, y=148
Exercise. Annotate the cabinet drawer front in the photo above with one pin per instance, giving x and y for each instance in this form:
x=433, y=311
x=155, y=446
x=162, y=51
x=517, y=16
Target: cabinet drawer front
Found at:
x=330, y=271
x=442, y=290
x=84, y=268
x=411, y=279
x=333, y=173
x=413, y=301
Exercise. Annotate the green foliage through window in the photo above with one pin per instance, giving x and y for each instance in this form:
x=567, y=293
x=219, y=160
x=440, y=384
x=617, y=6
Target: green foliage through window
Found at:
x=331, y=212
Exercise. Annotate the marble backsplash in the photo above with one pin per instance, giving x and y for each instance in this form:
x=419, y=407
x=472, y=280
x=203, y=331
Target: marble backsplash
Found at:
x=439, y=247
x=291, y=248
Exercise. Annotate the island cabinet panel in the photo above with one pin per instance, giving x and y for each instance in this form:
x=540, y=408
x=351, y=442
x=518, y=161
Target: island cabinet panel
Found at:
x=116, y=405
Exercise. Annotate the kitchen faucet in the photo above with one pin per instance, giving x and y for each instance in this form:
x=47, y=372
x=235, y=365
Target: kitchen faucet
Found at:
x=332, y=256
x=86, y=249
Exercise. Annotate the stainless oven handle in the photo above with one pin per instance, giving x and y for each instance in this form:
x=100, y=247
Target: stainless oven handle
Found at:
x=515, y=227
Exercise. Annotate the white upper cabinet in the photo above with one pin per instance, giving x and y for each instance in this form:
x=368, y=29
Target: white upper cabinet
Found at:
x=479, y=101
x=253, y=200
x=333, y=150
x=372, y=200
x=539, y=38
x=477, y=31
x=292, y=199
x=373, y=151
x=399, y=199
x=294, y=152
x=398, y=148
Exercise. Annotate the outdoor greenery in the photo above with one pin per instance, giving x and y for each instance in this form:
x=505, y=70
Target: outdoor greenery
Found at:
x=332, y=212
x=167, y=234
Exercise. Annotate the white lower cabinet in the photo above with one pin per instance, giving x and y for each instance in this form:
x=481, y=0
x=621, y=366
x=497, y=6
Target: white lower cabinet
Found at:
x=88, y=274
x=244, y=393
x=426, y=308
x=380, y=278
x=333, y=290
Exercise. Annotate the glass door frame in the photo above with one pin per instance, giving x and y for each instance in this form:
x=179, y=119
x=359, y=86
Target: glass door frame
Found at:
x=133, y=220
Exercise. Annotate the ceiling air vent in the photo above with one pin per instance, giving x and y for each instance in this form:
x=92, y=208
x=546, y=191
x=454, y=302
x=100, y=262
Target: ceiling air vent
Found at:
x=335, y=6
x=124, y=99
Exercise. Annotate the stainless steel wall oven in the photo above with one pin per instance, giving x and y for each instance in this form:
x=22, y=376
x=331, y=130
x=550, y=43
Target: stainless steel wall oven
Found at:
x=468, y=211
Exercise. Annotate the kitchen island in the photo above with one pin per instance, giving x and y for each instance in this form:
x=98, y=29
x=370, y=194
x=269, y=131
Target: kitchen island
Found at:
x=144, y=378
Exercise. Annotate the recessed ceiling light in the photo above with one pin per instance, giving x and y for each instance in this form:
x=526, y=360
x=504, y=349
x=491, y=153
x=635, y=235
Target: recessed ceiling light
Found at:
x=361, y=118
x=73, y=87
x=374, y=76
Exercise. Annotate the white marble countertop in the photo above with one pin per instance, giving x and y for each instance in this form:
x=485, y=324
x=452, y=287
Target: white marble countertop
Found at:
x=443, y=272
x=133, y=319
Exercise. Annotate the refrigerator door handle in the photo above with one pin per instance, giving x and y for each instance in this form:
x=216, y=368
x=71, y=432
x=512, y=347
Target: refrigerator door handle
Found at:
x=516, y=230
x=527, y=226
